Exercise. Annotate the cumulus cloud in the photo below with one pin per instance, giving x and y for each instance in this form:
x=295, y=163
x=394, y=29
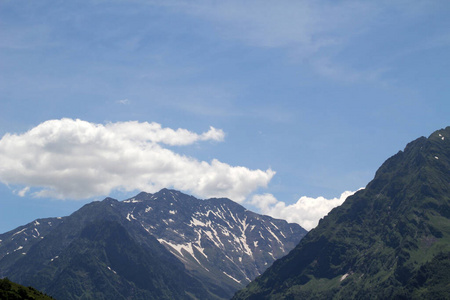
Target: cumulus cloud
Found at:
x=154, y=133
x=306, y=211
x=77, y=159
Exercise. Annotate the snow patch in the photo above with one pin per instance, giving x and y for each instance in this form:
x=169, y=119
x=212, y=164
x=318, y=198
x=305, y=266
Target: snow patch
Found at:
x=275, y=226
x=274, y=235
x=132, y=200
x=212, y=239
x=188, y=247
x=146, y=229
x=19, y=232
x=130, y=216
x=195, y=222
x=238, y=281
x=211, y=212
x=225, y=232
x=231, y=214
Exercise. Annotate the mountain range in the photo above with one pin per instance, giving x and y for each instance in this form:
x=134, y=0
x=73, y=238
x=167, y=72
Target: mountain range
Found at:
x=390, y=240
x=166, y=245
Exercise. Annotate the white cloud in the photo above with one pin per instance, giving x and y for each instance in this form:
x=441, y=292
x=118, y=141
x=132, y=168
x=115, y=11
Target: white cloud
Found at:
x=123, y=101
x=306, y=211
x=23, y=191
x=76, y=159
x=264, y=201
x=153, y=132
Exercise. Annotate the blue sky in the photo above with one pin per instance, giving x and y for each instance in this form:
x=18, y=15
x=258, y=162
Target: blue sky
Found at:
x=306, y=99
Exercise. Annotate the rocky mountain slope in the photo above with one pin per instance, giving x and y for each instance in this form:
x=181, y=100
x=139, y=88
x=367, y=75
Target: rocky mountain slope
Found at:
x=388, y=241
x=153, y=246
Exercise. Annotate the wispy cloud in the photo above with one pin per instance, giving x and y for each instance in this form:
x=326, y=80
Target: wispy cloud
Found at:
x=304, y=25
x=317, y=34
x=333, y=70
x=23, y=191
x=306, y=29
x=307, y=211
x=76, y=159
x=123, y=101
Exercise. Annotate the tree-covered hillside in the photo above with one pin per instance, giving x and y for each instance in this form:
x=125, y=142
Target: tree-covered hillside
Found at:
x=388, y=241
x=13, y=291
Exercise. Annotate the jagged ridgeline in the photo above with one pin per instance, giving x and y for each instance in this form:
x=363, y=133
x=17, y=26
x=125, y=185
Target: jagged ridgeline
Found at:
x=388, y=241
x=166, y=245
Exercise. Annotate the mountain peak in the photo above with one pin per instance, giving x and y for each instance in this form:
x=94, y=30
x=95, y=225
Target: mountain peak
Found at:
x=380, y=241
x=215, y=246
x=110, y=200
x=144, y=196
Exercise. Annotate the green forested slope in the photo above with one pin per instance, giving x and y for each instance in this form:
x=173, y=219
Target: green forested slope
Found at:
x=13, y=291
x=388, y=241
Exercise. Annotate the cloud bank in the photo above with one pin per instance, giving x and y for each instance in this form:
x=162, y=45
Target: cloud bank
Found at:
x=75, y=159
x=306, y=211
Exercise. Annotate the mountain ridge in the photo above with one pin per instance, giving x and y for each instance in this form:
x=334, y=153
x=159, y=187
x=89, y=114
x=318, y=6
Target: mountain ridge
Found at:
x=380, y=240
x=215, y=244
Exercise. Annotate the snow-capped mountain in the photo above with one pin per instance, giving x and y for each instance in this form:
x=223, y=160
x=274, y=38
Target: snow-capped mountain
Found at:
x=217, y=238
x=222, y=245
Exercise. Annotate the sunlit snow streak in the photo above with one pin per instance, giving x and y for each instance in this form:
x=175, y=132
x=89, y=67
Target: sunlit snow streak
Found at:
x=19, y=231
x=238, y=281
